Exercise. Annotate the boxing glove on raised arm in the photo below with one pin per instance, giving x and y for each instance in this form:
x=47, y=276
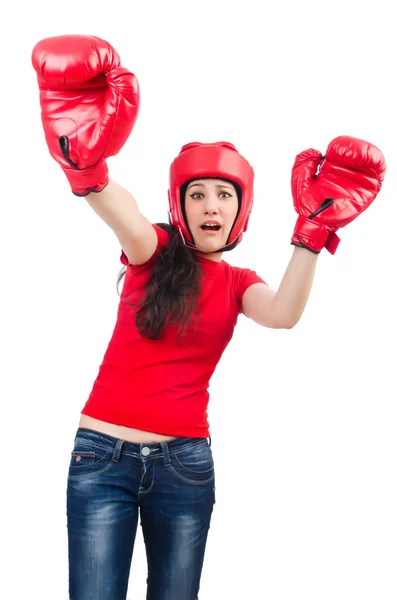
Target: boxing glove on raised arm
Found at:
x=89, y=105
x=331, y=191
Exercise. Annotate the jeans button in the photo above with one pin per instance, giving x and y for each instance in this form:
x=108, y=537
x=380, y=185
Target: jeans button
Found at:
x=145, y=451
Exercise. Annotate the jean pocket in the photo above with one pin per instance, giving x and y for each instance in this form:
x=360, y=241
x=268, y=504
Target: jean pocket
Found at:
x=87, y=459
x=195, y=465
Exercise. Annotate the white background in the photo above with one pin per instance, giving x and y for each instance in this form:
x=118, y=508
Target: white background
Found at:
x=303, y=422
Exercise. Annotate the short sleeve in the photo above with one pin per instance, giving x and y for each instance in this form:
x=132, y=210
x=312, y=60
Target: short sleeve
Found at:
x=162, y=238
x=245, y=279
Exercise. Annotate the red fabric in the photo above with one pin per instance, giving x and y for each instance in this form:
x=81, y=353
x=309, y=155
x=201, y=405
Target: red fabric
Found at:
x=156, y=385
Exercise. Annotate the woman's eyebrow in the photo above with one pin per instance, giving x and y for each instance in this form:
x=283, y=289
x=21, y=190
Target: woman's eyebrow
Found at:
x=218, y=185
x=193, y=184
x=223, y=185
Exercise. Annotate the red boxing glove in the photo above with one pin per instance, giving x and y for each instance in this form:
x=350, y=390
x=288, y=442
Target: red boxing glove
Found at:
x=89, y=105
x=331, y=191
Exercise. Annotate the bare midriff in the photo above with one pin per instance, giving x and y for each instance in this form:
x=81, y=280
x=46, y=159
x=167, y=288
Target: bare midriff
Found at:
x=129, y=434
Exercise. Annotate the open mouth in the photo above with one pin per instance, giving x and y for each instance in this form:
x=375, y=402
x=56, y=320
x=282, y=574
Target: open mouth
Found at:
x=211, y=228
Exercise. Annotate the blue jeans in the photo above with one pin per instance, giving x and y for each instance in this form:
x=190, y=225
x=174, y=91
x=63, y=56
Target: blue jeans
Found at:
x=173, y=485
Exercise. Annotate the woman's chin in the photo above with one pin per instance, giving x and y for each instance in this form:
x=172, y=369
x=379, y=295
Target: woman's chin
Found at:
x=209, y=245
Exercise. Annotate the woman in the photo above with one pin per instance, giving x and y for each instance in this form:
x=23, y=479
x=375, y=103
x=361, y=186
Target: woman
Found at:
x=142, y=441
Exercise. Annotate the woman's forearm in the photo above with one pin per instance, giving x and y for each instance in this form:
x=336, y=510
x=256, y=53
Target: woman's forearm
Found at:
x=118, y=208
x=294, y=290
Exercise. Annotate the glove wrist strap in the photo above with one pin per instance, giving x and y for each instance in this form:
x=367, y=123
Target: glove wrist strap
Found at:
x=314, y=236
x=85, y=181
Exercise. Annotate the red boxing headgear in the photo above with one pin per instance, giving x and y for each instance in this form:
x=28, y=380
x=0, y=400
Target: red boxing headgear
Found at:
x=220, y=159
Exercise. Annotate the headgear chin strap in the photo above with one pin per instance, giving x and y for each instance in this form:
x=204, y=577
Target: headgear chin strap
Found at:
x=217, y=160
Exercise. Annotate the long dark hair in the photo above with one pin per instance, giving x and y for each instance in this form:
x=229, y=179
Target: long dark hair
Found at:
x=172, y=291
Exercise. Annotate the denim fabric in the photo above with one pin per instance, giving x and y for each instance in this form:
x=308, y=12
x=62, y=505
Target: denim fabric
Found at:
x=172, y=484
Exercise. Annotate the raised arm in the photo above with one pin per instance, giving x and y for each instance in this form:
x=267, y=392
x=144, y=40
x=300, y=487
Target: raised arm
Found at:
x=89, y=105
x=119, y=209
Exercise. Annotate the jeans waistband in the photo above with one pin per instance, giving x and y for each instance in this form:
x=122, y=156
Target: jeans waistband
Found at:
x=106, y=441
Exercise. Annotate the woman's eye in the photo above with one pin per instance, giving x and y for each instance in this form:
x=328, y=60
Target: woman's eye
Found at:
x=198, y=195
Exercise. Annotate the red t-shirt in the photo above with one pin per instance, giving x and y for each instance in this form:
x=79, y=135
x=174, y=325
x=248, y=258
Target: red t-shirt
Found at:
x=157, y=385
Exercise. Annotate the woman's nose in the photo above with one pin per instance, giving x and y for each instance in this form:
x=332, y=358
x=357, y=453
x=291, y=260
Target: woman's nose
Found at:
x=211, y=204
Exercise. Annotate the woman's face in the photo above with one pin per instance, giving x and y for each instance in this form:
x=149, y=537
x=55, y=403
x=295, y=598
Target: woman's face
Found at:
x=210, y=200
